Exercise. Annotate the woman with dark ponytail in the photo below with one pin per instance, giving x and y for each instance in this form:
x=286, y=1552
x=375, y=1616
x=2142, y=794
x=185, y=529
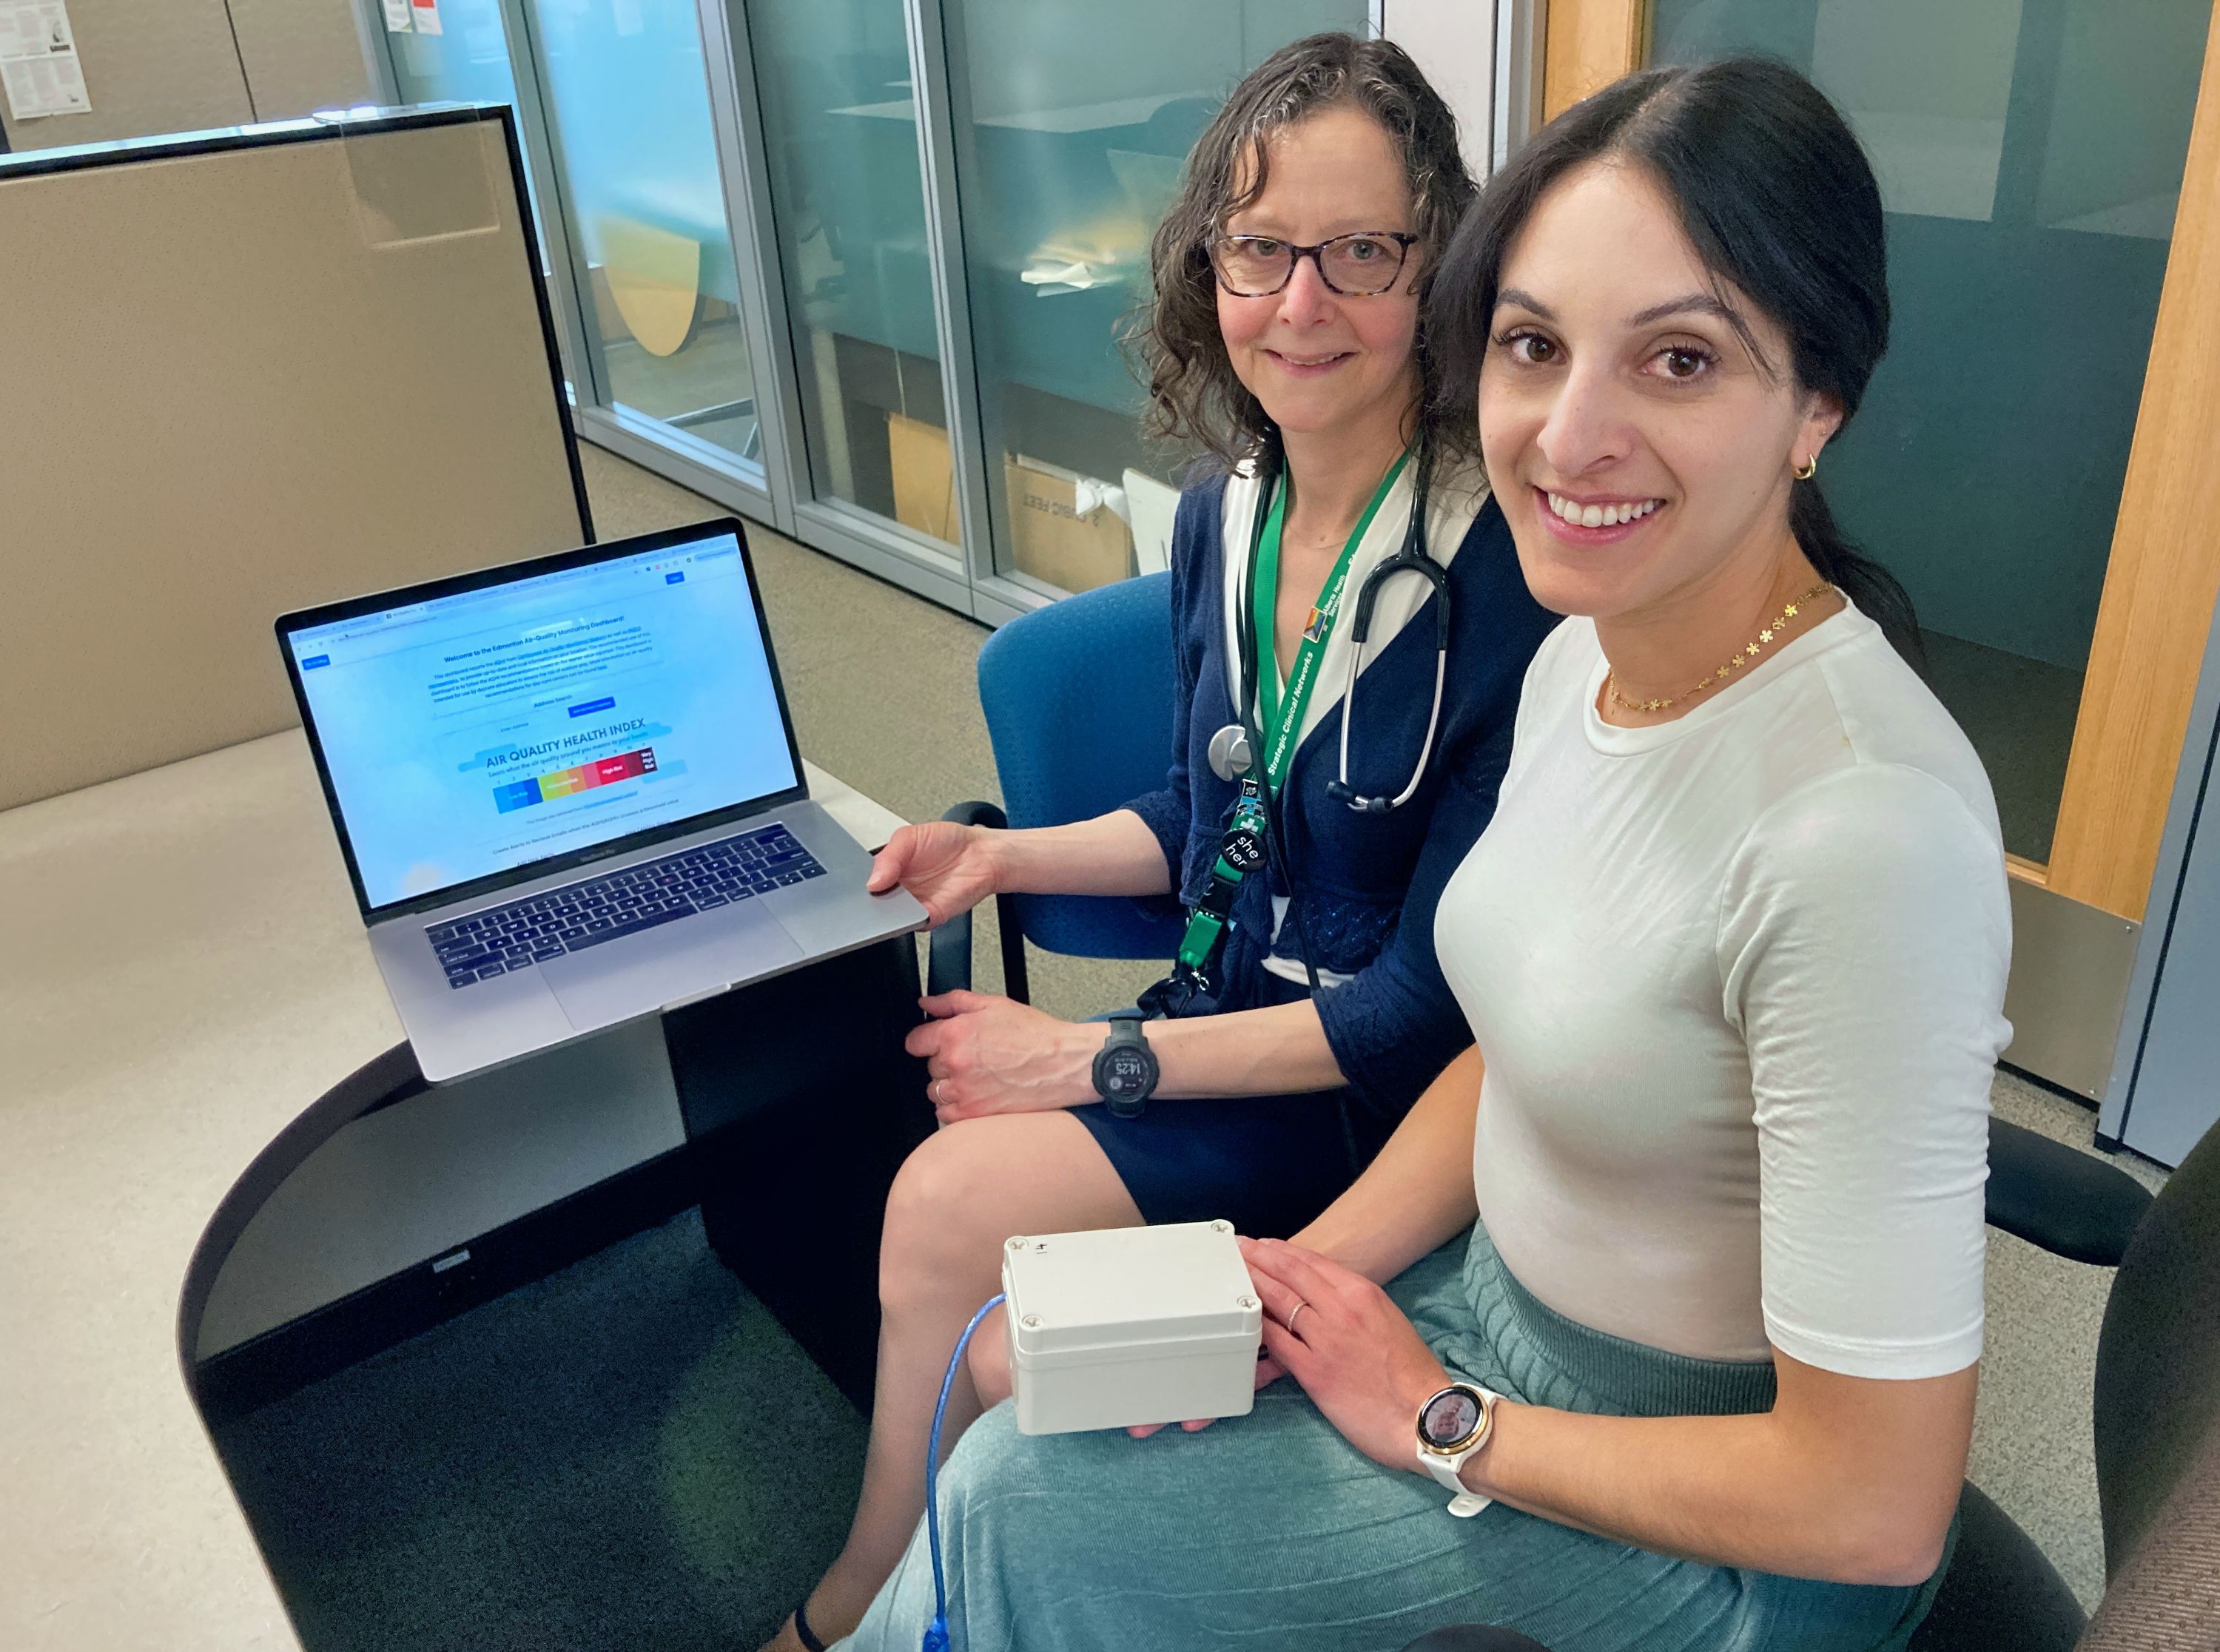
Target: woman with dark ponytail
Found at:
x=1787, y=211
x=1702, y=1373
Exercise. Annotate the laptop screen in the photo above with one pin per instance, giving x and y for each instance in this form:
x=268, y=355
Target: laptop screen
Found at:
x=468, y=734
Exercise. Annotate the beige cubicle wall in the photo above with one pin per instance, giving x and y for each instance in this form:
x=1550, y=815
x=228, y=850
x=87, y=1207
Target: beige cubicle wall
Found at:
x=154, y=66
x=245, y=373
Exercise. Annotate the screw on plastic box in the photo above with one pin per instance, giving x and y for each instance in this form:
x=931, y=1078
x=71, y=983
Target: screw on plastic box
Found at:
x=1130, y=1325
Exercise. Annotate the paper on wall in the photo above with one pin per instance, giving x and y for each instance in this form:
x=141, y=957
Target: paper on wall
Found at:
x=397, y=16
x=33, y=28
x=426, y=18
x=39, y=63
x=42, y=86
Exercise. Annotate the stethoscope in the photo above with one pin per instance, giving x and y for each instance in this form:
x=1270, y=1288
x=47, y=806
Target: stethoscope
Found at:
x=1232, y=748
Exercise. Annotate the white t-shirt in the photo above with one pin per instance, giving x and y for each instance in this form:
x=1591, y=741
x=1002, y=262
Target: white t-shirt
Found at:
x=1738, y=982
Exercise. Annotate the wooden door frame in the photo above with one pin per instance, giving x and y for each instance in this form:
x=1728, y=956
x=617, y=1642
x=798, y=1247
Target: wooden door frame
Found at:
x=2163, y=578
x=1590, y=43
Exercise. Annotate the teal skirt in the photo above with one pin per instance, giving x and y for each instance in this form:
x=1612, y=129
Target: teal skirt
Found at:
x=1271, y=1532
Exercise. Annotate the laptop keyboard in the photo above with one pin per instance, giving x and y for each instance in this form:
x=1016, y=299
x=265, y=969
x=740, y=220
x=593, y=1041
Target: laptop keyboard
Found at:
x=527, y=932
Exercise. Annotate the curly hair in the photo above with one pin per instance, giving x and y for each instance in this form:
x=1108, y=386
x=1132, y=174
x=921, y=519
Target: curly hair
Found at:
x=1194, y=394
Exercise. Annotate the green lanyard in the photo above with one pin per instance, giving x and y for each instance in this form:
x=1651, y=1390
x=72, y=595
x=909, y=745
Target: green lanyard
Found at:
x=1279, y=719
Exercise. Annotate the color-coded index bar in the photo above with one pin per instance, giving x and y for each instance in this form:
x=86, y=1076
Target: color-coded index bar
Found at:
x=607, y=771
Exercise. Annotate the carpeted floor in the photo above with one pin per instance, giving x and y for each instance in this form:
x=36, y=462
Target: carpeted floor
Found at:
x=631, y=1454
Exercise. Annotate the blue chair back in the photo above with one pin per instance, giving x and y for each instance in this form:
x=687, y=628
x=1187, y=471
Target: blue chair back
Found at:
x=1078, y=697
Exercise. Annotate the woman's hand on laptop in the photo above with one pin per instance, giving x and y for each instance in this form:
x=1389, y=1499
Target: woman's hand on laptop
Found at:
x=950, y=869
x=985, y=1054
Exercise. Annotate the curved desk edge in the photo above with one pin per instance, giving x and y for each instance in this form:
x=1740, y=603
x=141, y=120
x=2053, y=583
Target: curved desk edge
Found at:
x=378, y=1083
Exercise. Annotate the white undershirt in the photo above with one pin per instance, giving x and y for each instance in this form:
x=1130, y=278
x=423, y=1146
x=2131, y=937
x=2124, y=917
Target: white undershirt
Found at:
x=1738, y=982
x=1455, y=501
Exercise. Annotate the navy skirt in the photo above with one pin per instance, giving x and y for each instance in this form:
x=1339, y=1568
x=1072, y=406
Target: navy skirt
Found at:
x=1266, y=1163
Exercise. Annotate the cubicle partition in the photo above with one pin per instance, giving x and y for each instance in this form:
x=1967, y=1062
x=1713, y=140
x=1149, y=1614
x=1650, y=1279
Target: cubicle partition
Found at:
x=246, y=372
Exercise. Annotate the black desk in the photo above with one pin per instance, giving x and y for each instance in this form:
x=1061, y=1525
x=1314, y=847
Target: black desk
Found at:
x=798, y=1105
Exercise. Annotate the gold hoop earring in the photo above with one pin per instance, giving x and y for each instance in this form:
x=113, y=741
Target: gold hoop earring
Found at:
x=1807, y=469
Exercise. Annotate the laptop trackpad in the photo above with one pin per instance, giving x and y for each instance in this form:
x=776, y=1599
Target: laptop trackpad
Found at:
x=660, y=966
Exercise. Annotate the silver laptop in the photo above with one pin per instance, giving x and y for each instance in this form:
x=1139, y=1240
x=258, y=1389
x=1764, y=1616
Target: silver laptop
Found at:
x=568, y=794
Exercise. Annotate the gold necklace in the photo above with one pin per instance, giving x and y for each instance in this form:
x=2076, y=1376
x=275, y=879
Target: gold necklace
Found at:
x=1735, y=662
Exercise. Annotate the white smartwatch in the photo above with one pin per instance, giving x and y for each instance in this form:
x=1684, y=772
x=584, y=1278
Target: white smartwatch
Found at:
x=1452, y=1426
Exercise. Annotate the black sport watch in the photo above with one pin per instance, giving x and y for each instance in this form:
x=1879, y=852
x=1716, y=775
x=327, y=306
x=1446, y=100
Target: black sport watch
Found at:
x=1125, y=1071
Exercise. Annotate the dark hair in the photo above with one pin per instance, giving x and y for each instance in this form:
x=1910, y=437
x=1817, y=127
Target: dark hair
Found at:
x=1194, y=394
x=1775, y=195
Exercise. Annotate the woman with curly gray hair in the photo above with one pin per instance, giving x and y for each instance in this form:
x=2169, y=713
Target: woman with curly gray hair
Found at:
x=1286, y=339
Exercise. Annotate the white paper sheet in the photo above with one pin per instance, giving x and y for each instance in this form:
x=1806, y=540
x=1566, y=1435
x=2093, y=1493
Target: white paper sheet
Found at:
x=397, y=16
x=39, y=64
x=34, y=28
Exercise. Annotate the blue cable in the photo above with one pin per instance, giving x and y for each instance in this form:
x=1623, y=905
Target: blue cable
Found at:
x=935, y=1633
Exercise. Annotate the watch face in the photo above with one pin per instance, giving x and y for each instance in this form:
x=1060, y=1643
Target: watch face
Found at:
x=1451, y=1417
x=1126, y=1072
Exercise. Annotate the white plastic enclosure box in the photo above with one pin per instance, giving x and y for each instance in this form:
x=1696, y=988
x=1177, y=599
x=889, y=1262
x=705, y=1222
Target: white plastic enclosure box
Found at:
x=1130, y=1325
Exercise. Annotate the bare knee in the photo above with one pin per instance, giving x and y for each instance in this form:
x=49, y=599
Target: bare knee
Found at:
x=989, y=1358
x=970, y=1187
x=943, y=1225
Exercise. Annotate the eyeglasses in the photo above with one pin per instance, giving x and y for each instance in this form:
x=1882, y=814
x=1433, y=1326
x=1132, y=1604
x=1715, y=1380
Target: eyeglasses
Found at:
x=1360, y=266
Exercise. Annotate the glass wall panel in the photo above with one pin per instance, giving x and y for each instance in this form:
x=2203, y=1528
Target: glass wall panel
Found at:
x=1079, y=116
x=466, y=62
x=2030, y=154
x=628, y=101
x=848, y=209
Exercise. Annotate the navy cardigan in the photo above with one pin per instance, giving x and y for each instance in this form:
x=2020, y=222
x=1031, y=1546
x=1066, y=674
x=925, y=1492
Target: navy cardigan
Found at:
x=1366, y=885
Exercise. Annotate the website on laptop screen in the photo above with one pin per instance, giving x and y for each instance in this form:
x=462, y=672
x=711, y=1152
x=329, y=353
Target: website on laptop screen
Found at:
x=473, y=733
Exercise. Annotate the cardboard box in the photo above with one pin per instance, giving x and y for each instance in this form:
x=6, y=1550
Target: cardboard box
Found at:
x=925, y=477
x=1051, y=539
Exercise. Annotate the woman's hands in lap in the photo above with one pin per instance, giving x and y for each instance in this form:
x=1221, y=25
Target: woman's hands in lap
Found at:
x=1361, y=1360
x=985, y=1054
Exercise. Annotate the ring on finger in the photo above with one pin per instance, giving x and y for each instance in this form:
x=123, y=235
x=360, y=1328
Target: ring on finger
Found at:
x=1296, y=1315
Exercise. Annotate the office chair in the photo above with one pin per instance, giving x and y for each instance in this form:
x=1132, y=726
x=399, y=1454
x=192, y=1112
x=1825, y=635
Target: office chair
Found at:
x=1078, y=697
x=2157, y=1405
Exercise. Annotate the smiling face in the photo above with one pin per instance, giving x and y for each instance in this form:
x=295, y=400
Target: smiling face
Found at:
x=1641, y=452
x=1321, y=362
